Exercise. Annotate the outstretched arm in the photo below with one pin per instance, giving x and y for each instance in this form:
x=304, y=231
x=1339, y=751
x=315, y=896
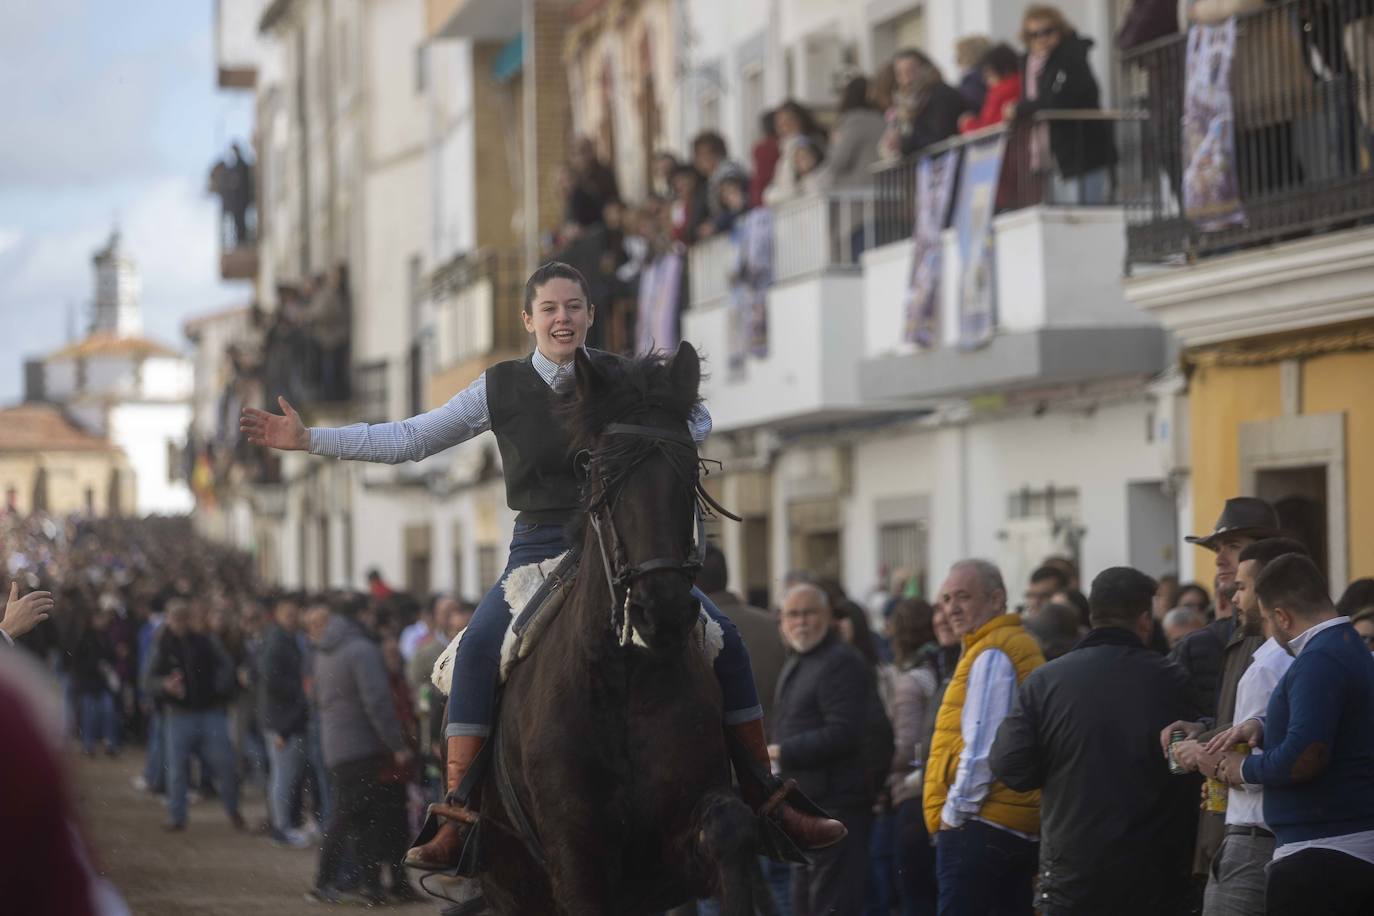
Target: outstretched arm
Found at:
x=464, y=416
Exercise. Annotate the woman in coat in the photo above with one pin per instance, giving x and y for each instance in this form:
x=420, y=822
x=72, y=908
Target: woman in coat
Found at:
x=1079, y=154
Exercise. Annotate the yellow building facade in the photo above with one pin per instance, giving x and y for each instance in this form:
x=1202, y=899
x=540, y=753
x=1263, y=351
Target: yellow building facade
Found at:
x=49, y=464
x=1311, y=394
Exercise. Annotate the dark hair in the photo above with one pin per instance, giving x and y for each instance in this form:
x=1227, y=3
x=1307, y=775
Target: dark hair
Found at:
x=711, y=141
x=1194, y=587
x=766, y=123
x=374, y=573
x=1055, y=628
x=1079, y=602
x=1120, y=595
x=1293, y=583
x=1358, y=595
x=714, y=572
x=858, y=624
x=1050, y=572
x=1001, y=59
x=684, y=169
x=1270, y=549
x=553, y=270
x=809, y=125
x=912, y=623
x=854, y=96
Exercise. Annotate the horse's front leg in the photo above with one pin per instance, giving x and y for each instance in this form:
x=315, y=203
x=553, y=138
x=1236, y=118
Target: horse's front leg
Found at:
x=584, y=874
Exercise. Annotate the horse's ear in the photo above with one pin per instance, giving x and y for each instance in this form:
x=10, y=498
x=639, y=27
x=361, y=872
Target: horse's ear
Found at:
x=590, y=380
x=685, y=370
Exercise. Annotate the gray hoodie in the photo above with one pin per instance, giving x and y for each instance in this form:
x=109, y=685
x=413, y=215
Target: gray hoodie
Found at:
x=353, y=696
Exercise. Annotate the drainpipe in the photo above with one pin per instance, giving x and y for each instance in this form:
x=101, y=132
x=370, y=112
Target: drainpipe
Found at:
x=529, y=86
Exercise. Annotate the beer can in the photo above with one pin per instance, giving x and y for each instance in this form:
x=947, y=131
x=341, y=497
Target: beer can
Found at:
x=1175, y=739
x=1216, y=796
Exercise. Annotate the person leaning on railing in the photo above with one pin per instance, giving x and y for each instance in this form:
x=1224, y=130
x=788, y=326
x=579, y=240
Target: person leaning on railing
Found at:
x=1058, y=76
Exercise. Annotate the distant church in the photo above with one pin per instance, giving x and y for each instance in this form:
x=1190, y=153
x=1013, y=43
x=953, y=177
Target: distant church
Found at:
x=124, y=388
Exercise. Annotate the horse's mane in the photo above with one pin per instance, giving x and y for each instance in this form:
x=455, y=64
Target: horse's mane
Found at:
x=630, y=385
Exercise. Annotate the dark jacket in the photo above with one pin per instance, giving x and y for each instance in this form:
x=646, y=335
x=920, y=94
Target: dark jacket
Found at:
x=820, y=714
x=1317, y=768
x=282, y=705
x=204, y=665
x=938, y=120
x=353, y=694
x=759, y=630
x=93, y=655
x=1067, y=81
x=1200, y=654
x=1116, y=828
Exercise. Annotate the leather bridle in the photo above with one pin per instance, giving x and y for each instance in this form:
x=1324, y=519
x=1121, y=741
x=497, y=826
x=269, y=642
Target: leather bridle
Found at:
x=610, y=465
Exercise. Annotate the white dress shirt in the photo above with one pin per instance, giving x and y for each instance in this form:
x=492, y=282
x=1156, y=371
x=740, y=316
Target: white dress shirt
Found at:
x=1245, y=804
x=464, y=416
x=987, y=701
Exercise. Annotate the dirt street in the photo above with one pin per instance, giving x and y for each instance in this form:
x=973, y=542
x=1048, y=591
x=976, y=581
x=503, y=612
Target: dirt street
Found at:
x=208, y=870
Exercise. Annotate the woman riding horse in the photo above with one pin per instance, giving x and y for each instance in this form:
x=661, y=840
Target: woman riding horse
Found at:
x=515, y=400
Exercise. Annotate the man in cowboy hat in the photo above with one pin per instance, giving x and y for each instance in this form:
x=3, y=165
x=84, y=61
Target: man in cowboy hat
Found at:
x=1216, y=656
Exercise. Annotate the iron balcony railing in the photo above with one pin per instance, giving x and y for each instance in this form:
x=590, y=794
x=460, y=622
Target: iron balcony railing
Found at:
x=1301, y=101
x=1062, y=158
x=478, y=299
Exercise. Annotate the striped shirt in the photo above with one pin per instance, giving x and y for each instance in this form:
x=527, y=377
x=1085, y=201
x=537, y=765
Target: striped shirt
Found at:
x=463, y=417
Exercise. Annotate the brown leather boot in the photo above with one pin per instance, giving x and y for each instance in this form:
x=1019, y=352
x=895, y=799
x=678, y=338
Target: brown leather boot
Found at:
x=441, y=853
x=808, y=831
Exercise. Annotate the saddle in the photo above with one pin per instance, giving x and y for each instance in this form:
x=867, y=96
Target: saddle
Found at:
x=535, y=594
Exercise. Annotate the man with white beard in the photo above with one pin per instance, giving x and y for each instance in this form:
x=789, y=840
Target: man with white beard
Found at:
x=818, y=733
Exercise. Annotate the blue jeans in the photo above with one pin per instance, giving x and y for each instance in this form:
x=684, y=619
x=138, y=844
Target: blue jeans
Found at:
x=314, y=757
x=206, y=731
x=288, y=762
x=984, y=871
x=98, y=721
x=478, y=661
x=155, y=772
x=882, y=894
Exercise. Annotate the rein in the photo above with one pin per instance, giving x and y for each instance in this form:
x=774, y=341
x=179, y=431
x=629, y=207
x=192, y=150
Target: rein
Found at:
x=639, y=443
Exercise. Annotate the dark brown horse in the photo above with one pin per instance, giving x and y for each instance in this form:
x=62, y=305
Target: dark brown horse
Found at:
x=616, y=753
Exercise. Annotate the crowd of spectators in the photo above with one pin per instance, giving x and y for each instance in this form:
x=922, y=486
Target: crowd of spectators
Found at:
x=906, y=107
x=989, y=756
x=320, y=701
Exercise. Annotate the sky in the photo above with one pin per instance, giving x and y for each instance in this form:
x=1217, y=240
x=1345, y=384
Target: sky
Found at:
x=113, y=115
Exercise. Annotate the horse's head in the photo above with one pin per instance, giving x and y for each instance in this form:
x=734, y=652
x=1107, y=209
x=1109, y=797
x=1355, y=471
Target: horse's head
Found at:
x=629, y=417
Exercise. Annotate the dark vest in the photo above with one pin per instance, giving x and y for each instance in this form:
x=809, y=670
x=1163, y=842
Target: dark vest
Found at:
x=541, y=484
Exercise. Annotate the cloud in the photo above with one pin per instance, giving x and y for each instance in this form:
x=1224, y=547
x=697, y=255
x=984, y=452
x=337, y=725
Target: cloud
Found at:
x=170, y=227
x=89, y=109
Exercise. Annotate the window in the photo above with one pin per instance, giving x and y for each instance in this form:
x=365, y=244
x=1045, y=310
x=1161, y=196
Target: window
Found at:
x=487, y=570
x=175, y=471
x=902, y=546
x=421, y=69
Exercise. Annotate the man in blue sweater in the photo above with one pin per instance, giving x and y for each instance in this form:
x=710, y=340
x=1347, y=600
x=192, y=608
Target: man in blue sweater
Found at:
x=1317, y=768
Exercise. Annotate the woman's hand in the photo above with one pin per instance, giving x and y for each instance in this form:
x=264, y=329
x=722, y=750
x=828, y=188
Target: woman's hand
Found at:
x=282, y=431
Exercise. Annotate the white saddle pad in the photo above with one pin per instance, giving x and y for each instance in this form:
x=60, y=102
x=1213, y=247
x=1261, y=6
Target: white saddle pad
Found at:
x=519, y=588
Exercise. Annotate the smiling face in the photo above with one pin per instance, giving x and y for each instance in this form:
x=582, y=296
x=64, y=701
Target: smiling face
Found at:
x=559, y=318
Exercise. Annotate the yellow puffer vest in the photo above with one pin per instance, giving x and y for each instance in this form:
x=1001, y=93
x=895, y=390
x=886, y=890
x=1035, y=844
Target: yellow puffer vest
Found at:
x=1015, y=810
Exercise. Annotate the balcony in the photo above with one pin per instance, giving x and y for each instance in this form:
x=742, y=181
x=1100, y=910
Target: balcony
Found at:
x=1054, y=312
x=232, y=180
x=481, y=20
x=477, y=299
x=1285, y=246
x=1300, y=163
x=813, y=313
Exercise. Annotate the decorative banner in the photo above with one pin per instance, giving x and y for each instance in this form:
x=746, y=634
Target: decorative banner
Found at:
x=977, y=201
x=751, y=275
x=935, y=180
x=1211, y=193
x=660, y=292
